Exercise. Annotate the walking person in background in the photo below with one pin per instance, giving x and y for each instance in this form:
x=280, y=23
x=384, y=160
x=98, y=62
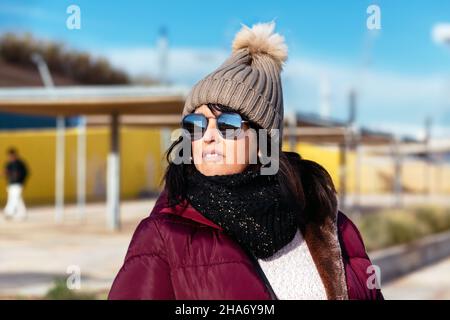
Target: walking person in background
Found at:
x=16, y=173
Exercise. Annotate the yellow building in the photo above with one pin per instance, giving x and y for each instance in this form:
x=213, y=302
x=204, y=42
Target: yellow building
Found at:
x=141, y=165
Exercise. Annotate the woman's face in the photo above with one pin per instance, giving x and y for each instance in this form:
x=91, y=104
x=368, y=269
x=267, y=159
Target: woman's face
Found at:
x=215, y=155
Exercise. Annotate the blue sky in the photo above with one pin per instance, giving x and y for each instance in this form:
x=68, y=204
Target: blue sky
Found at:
x=401, y=74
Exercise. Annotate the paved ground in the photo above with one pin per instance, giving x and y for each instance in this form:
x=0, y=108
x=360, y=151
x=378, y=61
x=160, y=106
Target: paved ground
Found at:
x=432, y=282
x=35, y=252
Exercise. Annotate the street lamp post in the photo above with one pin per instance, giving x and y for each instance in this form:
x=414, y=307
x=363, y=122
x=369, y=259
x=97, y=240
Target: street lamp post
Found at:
x=441, y=34
x=60, y=143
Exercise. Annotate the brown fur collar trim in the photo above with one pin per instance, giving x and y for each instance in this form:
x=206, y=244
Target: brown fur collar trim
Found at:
x=323, y=244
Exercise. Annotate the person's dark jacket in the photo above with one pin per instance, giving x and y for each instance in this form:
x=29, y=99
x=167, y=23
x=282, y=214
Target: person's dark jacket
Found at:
x=16, y=172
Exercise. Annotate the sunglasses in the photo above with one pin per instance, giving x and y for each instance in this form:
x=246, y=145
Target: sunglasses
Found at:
x=229, y=124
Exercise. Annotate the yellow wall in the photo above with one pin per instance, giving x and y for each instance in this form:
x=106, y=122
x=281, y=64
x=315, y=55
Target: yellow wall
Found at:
x=377, y=174
x=141, y=162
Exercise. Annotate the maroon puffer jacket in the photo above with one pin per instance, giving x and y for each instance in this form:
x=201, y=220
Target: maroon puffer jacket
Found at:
x=179, y=254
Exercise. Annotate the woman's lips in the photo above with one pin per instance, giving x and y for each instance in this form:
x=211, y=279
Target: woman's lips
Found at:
x=212, y=156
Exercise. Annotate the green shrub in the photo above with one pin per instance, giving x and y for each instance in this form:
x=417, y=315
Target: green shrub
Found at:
x=59, y=291
x=397, y=226
x=435, y=220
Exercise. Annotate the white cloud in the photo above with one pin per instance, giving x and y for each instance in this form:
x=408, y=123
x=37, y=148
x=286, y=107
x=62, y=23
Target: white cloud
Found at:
x=441, y=33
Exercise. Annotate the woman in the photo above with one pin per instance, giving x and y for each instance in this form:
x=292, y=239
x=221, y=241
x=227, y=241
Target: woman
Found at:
x=233, y=222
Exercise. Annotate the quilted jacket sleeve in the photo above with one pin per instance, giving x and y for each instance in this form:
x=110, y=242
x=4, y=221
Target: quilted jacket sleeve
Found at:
x=358, y=270
x=145, y=273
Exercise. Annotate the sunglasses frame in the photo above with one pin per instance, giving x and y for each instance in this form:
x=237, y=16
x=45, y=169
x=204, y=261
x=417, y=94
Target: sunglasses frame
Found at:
x=223, y=135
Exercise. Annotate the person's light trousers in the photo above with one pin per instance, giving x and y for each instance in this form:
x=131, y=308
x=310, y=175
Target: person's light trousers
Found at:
x=15, y=205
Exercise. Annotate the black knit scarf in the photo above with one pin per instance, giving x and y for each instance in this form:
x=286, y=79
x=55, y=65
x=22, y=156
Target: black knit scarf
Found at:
x=248, y=206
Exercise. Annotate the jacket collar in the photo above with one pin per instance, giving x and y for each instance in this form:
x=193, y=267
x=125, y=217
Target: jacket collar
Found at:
x=184, y=210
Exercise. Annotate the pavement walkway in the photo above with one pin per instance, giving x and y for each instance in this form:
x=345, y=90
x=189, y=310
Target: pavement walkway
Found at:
x=35, y=252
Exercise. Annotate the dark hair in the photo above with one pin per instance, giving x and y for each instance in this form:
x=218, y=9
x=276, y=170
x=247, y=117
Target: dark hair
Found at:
x=305, y=185
x=12, y=151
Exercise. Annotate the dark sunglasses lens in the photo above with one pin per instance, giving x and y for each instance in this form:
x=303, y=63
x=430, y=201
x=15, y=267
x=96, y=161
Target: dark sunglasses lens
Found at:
x=229, y=124
x=195, y=124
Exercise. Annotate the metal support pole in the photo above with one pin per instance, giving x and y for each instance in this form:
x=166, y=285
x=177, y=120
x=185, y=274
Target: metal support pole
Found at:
x=113, y=178
x=358, y=176
x=60, y=167
x=427, y=157
x=81, y=168
x=398, y=188
x=343, y=173
x=345, y=146
x=47, y=80
x=292, y=138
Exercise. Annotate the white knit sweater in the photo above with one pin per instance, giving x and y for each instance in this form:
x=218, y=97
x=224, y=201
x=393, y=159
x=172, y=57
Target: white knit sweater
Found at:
x=292, y=273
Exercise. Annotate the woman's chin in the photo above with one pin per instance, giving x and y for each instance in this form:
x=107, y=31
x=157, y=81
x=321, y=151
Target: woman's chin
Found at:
x=210, y=168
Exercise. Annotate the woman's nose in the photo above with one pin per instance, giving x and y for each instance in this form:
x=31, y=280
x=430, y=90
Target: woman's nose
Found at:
x=211, y=133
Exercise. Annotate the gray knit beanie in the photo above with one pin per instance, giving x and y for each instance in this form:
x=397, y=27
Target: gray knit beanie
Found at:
x=249, y=80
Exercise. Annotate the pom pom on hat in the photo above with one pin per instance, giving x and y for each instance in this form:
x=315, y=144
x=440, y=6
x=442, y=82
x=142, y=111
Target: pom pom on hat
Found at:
x=261, y=39
x=249, y=81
